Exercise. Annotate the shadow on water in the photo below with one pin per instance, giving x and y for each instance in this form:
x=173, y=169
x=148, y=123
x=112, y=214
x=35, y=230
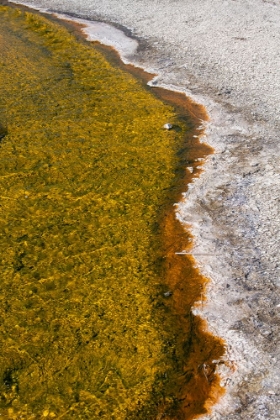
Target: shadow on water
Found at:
x=3, y=132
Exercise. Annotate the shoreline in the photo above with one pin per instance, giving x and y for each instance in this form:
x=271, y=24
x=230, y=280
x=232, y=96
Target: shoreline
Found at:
x=188, y=395
x=197, y=351
x=234, y=243
x=222, y=364
x=227, y=368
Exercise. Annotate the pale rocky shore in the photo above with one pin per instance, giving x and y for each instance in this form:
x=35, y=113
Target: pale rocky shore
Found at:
x=225, y=54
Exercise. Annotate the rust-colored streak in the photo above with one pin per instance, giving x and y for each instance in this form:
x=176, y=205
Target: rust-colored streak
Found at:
x=198, y=387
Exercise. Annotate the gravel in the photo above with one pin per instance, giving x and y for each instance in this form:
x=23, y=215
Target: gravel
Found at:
x=225, y=54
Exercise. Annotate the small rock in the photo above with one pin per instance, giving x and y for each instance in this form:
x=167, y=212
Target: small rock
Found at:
x=168, y=126
x=167, y=294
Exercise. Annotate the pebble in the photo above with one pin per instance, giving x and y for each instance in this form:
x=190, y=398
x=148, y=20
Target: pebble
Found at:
x=168, y=126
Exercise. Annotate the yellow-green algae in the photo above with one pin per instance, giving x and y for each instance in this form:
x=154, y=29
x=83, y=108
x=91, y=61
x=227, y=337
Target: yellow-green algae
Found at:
x=89, y=241
x=84, y=169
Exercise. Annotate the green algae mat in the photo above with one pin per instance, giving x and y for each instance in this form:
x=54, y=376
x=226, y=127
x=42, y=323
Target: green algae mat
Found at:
x=85, y=169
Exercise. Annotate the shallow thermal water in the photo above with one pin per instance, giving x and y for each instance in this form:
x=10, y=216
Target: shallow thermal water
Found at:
x=225, y=54
x=96, y=299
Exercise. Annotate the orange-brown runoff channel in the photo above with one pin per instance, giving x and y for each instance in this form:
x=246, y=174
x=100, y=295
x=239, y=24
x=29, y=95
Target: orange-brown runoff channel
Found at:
x=199, y=386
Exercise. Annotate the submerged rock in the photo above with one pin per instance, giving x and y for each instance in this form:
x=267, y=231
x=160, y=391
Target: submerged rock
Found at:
x=168, y=126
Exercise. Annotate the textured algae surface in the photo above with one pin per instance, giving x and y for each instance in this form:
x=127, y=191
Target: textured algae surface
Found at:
x=85, y=169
